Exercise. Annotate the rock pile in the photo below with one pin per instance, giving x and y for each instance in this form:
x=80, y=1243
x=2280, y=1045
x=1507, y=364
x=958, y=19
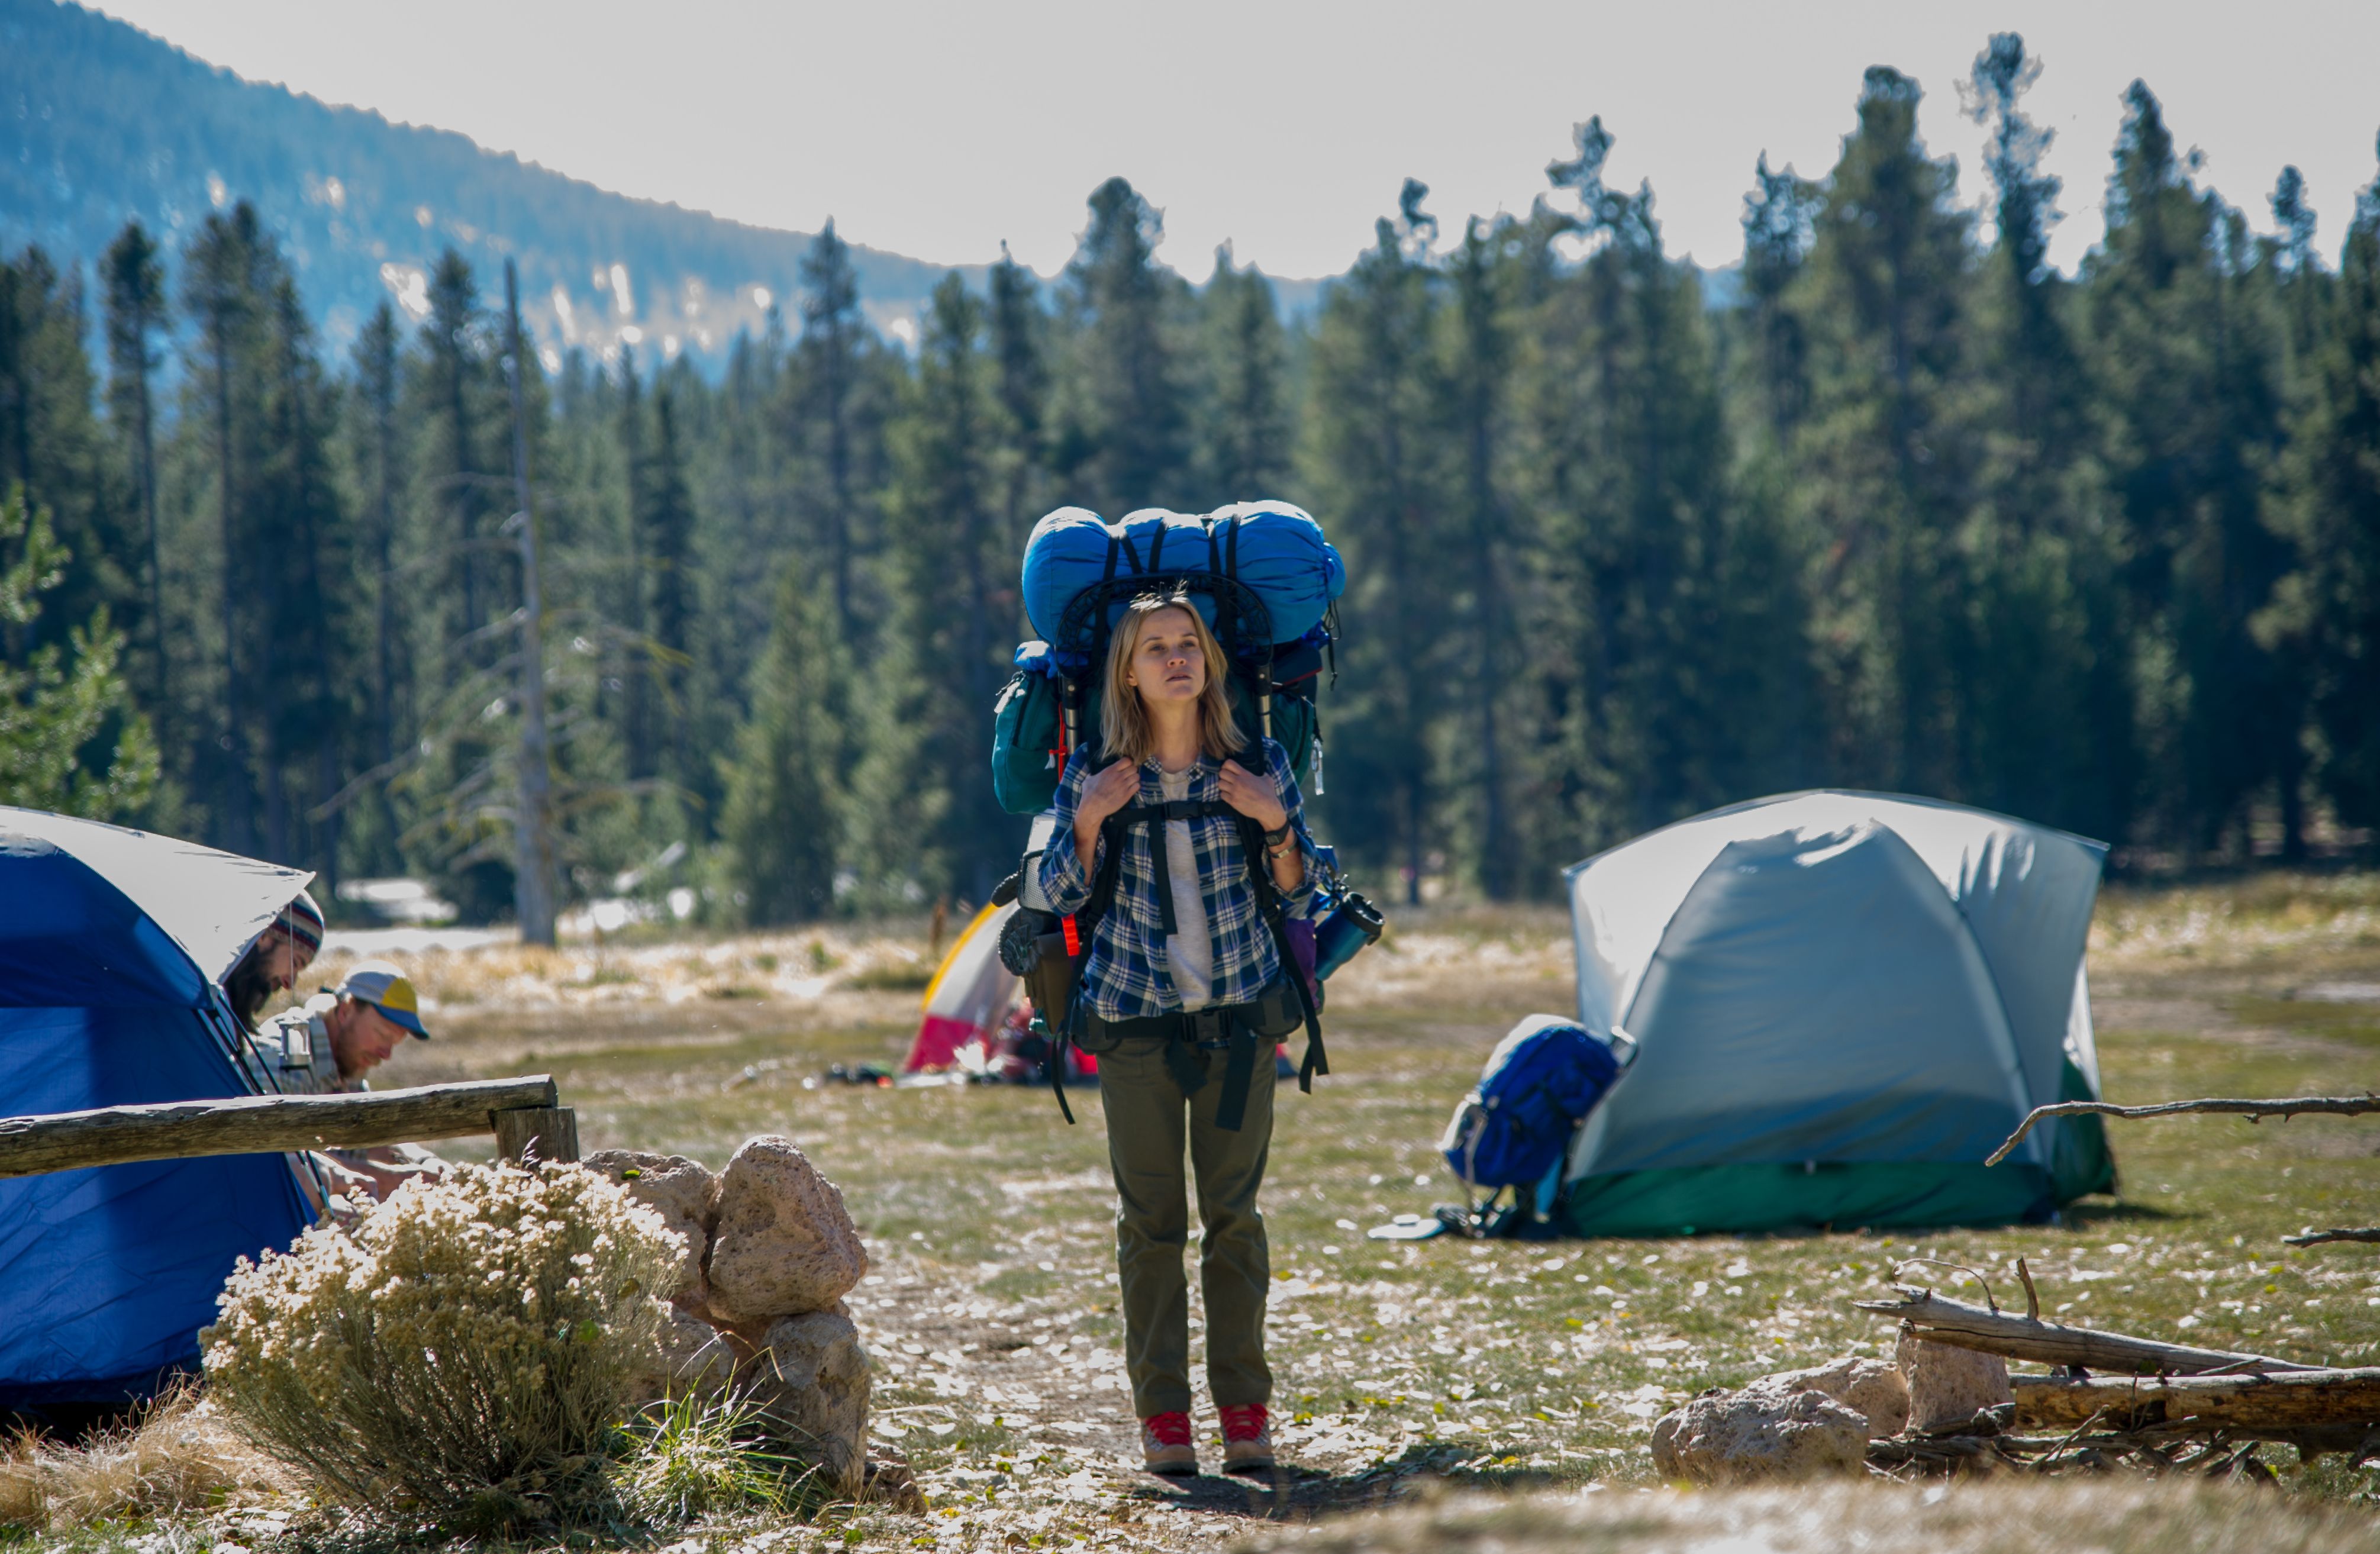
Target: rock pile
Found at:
x=1820, y=1420
x=771, y=1253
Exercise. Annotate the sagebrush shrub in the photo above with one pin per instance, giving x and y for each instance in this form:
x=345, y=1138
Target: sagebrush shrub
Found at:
x=462, y=1357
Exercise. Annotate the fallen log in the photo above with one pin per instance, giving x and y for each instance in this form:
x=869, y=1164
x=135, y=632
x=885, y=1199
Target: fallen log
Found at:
x=2303, y=1400
x=2254, y=1110
x=261, y=1124
x=2316, y=1238
x=1940, y=1319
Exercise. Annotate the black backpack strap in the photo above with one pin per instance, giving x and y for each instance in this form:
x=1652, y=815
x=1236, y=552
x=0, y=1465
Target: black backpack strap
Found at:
x=1159, y=866
x=1082, y=921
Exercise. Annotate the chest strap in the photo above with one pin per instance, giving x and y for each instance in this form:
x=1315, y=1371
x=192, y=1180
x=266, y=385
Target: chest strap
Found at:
x=1160, y=869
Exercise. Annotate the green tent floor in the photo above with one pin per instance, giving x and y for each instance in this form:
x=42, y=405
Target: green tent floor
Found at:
x=1872, y=1194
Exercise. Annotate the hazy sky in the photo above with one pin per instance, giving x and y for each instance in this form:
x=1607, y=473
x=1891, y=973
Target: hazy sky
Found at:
x=941, y=130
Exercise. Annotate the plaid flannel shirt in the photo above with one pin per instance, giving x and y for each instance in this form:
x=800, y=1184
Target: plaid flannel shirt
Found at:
x=1126, y=977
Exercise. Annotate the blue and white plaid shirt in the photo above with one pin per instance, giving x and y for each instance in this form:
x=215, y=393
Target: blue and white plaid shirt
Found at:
x=1126, y=977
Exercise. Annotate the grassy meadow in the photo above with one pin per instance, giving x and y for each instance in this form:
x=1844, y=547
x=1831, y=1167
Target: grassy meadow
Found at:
x=1410, y=1372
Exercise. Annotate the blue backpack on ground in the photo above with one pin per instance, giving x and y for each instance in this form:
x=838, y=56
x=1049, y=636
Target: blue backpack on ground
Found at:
x=1544, y=1077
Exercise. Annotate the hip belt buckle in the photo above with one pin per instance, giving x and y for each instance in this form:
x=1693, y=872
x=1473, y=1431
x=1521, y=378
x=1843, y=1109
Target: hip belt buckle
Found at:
x=1210, y=1029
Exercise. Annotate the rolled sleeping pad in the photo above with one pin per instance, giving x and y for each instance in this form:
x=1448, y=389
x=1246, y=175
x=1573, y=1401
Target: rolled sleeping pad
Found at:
x=1277, y=553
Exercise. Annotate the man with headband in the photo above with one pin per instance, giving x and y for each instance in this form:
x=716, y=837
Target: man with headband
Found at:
x=274, y=959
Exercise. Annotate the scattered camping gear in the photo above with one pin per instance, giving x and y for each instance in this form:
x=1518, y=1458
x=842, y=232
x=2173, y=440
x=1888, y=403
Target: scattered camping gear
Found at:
x=1844, y=1001
x=111, y=944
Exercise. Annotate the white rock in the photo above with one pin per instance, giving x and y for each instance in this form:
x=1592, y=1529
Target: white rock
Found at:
x=811, y=1376
x=784, y=1244
x=1947, y=1385
x=1763, y=1432
x=1875, y=1387
x=684, y=1193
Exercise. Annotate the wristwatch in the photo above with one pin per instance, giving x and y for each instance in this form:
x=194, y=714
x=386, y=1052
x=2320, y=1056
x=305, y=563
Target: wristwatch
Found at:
x=1273, y=839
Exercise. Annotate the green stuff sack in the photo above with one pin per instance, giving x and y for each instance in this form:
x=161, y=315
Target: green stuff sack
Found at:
x=1025, y=751
x=1294, y=720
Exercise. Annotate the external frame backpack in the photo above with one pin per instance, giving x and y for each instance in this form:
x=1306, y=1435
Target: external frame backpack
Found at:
x=1236, y=566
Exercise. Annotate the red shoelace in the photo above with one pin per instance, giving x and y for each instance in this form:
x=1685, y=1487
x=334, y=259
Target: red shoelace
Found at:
x=1170, y=1429
x=1243, y=1421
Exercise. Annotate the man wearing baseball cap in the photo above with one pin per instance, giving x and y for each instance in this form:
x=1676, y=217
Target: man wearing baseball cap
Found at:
x=327, y=1045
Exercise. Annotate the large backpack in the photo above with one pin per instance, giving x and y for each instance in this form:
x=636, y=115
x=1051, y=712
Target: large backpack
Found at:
x=1516, y=1124
x=1264, y=578
x=1260, y=573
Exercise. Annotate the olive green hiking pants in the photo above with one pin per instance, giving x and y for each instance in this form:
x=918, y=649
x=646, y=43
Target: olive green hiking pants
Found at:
x=1147, y=1118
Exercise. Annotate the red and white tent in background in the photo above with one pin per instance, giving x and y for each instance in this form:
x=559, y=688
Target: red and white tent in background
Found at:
x=969, y=998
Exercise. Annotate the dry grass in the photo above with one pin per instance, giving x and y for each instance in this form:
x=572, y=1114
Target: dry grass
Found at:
x=184, y=1458
x=2129, y=1517
x=1448, y=1367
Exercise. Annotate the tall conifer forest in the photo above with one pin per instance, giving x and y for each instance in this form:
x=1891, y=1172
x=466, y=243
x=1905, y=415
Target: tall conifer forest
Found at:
x=1910, y=510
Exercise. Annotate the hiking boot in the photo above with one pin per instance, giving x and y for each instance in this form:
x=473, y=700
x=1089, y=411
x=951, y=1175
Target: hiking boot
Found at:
x=1247, y=1438
x=1165, y=1443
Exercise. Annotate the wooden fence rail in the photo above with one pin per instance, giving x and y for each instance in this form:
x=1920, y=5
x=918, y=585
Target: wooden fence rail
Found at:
x=525, y=1114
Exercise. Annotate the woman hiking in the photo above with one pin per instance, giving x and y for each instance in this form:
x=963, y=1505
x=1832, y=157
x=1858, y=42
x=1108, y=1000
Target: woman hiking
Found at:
x=1183, y=973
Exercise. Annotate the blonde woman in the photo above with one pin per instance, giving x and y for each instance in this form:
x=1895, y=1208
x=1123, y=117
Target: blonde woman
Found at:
x=1181, y=998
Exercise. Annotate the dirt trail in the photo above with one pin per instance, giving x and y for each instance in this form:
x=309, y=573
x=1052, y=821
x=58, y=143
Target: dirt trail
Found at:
x=1033, y=1373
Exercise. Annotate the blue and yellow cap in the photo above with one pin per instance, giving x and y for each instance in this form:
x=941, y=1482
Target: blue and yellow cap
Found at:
x=381, y=985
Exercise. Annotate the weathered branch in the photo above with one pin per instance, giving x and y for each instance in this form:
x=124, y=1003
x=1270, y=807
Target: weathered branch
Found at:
x=260, y=1124
x=2316, y=1238
x=1942, y=1320
x=2331, y=1106
x=2298, y=1399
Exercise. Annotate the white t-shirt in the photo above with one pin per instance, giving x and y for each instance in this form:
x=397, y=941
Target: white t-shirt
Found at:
x=1189, y=952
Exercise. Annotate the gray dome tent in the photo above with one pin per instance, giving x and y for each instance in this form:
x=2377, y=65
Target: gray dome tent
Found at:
x=1843, y=1002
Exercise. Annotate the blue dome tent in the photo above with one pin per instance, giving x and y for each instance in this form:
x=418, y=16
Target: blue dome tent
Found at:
x=1842, y=1002
x=112, y=943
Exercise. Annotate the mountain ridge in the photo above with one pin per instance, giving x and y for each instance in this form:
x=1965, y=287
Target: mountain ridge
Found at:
x=364, y=204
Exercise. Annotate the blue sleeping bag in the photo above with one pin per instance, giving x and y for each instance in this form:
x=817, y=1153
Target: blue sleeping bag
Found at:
x=1275, y=549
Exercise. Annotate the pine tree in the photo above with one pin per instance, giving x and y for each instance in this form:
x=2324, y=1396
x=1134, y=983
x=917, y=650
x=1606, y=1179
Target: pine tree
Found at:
x=50, y=443
x=1017, y=331
x=836, y=420
x=2185, y=366
x=1378, y=470
x=2040, y=687
x=454, y=372
x=1244, y=422
x=299, y=564
x=1126, y=442
x=1881, y=459
x=70, y=739
x=1625, y=455
x=1478, y=366
x=227, y=300
x=640, y=728
x=2327, y=499
x=1780, y=217
x=778, y=830
x=135, y=284
x=375, y=451
x=924, y=802
x=666, y=521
